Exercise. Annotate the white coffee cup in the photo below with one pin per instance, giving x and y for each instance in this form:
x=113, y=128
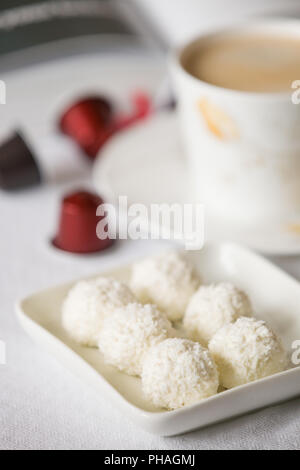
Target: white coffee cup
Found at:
x=243, y=148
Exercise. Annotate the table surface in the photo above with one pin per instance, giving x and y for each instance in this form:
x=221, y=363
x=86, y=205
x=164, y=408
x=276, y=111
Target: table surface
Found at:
x=43, y=406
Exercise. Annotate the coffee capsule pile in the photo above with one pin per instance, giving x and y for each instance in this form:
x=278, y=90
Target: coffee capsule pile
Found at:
x=90, y=122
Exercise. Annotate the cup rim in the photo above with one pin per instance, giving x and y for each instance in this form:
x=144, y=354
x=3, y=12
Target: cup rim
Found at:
x=250, y=25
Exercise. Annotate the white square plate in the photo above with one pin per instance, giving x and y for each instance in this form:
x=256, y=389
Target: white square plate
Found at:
x=276, y=299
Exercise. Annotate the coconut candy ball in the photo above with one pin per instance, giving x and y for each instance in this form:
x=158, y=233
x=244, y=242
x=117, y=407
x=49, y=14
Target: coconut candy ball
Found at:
x=212, y=307
x=129, y=332
x=245, y=351
x=168, y=281
x=88, y=303
x=179, y=372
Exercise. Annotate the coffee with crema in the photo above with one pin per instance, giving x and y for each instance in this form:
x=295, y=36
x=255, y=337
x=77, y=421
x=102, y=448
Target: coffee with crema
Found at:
x=255, y=63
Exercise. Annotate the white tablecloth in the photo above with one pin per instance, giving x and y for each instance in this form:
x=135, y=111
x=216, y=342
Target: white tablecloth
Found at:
x=42, y=406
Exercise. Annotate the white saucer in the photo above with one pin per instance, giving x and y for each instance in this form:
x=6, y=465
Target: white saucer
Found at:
x=147, y=164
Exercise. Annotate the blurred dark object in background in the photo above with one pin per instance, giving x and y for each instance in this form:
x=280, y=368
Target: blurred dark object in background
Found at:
x=27, y=24
x=38, y=22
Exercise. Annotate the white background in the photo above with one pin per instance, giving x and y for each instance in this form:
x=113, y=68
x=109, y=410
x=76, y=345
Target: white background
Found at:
x=42, y=406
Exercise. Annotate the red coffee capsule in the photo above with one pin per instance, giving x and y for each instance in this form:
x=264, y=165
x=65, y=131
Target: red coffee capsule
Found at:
x=142, y=104
x=88, y=123
x=142, y=108
x=78, y=224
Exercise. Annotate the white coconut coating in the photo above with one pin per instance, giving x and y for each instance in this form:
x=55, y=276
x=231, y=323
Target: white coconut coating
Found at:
x=168, y=281
x=129, y=332
x=245, y=351
x=212, y=307
x=179, y=372
x=88, y=303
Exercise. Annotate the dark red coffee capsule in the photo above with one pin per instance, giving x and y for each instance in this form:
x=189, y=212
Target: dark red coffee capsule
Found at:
x=77, y=231
x=142, y=104
x=88, y=123
x=18, y=166
x=142, y=108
